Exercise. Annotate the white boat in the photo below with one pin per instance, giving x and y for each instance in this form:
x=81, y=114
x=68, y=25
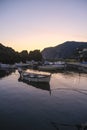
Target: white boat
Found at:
x=34, y=77
x=21, y=64
x=51, y=67
x=4, y=65
x=7, y=66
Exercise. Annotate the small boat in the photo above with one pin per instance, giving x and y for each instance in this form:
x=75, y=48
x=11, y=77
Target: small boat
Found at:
x=34, y=77
x=6, y=66
x=21, y=65
x=51, y=67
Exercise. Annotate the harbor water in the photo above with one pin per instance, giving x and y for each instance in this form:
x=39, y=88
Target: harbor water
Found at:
x=60, y=106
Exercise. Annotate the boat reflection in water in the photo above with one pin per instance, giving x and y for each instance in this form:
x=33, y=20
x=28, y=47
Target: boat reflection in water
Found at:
x=39, y=85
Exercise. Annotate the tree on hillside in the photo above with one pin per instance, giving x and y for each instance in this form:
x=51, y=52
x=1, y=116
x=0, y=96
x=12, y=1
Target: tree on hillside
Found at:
x=35, y=55
x=24, y=56
x=10, y=56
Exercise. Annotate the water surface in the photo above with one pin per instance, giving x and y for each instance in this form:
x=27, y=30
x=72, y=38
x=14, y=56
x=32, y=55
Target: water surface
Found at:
x=29, y=107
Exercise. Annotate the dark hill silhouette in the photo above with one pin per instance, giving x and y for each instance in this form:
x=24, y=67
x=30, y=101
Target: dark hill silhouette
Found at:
x=8, y=55
x=64, y=50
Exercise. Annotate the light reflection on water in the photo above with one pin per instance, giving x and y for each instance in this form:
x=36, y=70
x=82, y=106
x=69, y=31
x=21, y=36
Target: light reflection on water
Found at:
x=25, y=107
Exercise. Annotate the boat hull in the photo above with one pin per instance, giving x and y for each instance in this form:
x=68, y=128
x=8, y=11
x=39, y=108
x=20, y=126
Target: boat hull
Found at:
x=42, y=79
x=34, y=77
x=51, y=67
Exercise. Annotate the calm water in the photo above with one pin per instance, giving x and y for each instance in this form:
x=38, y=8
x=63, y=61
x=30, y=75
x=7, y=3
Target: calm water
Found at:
x=27, y=107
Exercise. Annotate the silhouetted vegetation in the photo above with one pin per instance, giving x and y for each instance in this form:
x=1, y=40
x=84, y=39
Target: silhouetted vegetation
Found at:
x=67, y=50
x=10, y=56
x=23, y=56
x=35, y=55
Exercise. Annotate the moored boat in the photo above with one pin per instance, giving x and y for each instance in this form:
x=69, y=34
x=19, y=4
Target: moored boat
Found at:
x=34, y=77
x=51, y=67
x=6, y=66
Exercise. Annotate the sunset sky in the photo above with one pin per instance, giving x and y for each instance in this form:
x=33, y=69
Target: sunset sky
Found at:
x=36, y=24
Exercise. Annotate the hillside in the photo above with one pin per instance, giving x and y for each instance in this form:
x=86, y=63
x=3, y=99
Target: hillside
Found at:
x=10, y=56
x=64, y=50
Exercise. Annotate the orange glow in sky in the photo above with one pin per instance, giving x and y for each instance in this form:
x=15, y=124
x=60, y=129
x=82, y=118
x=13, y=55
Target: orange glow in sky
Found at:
x=36, y=24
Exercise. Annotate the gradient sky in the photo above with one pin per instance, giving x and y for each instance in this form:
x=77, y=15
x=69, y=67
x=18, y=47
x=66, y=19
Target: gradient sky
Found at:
x=36, y=24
